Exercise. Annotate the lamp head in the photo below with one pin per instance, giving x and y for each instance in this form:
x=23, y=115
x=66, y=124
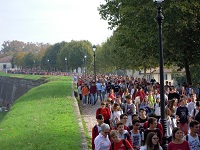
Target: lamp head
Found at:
x=65, y=58
x=85, y=56
x=158, y=1
x=94, y=48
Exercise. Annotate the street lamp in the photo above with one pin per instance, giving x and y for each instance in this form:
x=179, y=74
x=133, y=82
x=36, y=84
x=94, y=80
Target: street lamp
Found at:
x=160, y=19
x=33, y=63
x=85, y=64
x=66, y=64
x=48, y=65
x=94, y=49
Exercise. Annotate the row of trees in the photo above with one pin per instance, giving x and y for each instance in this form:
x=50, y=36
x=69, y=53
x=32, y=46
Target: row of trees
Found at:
x=133, y=45
x=49, y=57
x=135, y=40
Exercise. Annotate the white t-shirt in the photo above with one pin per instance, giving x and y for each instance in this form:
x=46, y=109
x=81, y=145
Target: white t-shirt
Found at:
x=193, y=142
x=192, y=113
x=115, y=116
x=137, y=138
x=157, y=109
x=191, y=107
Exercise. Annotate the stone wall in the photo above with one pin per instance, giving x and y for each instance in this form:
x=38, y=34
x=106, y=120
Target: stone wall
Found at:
x=13, y=88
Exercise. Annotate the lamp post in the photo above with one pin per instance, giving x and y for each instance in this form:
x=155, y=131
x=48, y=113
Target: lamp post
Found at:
x=48, y=65
x=94, y=49
x=66, y=64
x=85, y=64
x=160, y=19
x=33, y=63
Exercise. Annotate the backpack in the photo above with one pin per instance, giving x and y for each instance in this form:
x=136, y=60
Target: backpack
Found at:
x=123, y=140
x=95, y=129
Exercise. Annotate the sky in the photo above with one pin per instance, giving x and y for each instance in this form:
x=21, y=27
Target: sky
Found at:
x=52, y=21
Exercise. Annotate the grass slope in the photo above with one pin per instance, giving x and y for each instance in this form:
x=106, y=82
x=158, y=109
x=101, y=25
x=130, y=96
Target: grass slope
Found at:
x=43, y=118
x=24, y=76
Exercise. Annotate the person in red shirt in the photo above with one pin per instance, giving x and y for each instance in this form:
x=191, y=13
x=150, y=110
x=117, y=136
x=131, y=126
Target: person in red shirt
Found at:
x=93, y=92
x=118, y=143
x=177, y=141
x=140, y=93
x=105, y=112
x=112, y=94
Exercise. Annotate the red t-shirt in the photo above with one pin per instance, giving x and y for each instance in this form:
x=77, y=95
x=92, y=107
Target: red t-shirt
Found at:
x=182, y=146
x=120, y=145
x=105, y=112
x=112, y=96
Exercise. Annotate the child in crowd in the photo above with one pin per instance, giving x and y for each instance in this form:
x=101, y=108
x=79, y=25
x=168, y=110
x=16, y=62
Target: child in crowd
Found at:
x=130, y=109
x=115, y=115
x=137, y=136
x=118, y=143
x=123, y=134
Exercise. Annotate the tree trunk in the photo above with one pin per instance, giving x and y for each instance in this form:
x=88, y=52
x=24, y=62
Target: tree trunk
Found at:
x=133, y=70
x=145, y=72
x=187, y=70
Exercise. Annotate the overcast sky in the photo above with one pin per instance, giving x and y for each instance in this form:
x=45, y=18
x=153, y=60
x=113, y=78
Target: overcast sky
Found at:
x=51, y=21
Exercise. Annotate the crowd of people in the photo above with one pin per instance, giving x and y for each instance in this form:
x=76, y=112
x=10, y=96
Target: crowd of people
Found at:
x=129, y=113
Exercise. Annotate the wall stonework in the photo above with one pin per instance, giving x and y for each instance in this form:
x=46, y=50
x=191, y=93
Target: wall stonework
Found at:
x=13, y=88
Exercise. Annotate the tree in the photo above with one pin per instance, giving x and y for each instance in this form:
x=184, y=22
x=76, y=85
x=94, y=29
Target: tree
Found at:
x=18, y=59
x=75, y=51
x=136, y=29
x=28, y=61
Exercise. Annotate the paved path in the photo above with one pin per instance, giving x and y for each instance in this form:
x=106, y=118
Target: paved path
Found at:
x=89, y=115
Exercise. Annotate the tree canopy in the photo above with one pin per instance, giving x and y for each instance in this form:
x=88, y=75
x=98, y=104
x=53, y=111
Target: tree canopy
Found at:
x=136, y=34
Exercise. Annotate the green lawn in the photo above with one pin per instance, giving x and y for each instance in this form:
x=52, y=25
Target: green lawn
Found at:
x=32, y=77
x=43, y=118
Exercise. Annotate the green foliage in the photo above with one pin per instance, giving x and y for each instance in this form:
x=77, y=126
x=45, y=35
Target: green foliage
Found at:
x=133, y=40
x=136, y=36
x=28, y=61
x=43, y=118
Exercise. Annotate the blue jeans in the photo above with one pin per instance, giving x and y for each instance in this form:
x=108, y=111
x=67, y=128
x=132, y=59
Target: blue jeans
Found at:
x=92, y=97
x=103, y=95
x=85, y=97
x=99, y=94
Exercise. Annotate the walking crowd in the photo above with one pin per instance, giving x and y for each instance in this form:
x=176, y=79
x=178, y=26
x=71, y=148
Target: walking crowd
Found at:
x=129, y=115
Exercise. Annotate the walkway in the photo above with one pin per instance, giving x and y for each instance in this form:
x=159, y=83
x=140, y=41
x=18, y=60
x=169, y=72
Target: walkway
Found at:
x=89, y=115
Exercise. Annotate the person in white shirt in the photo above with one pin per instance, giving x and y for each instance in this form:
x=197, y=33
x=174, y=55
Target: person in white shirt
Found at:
x=98, y=85
x=192, y=104
x=193, y=138
x=103, y=91
x=137, y=136
x=195, y=111
x=102, y=141
x=80, y=91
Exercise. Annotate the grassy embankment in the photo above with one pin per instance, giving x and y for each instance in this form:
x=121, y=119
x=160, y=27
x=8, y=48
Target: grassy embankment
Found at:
x=88, y=138
x=43, y=118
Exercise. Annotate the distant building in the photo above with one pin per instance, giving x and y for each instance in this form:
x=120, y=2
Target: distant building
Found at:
x=155, y=72
x=5, y=63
